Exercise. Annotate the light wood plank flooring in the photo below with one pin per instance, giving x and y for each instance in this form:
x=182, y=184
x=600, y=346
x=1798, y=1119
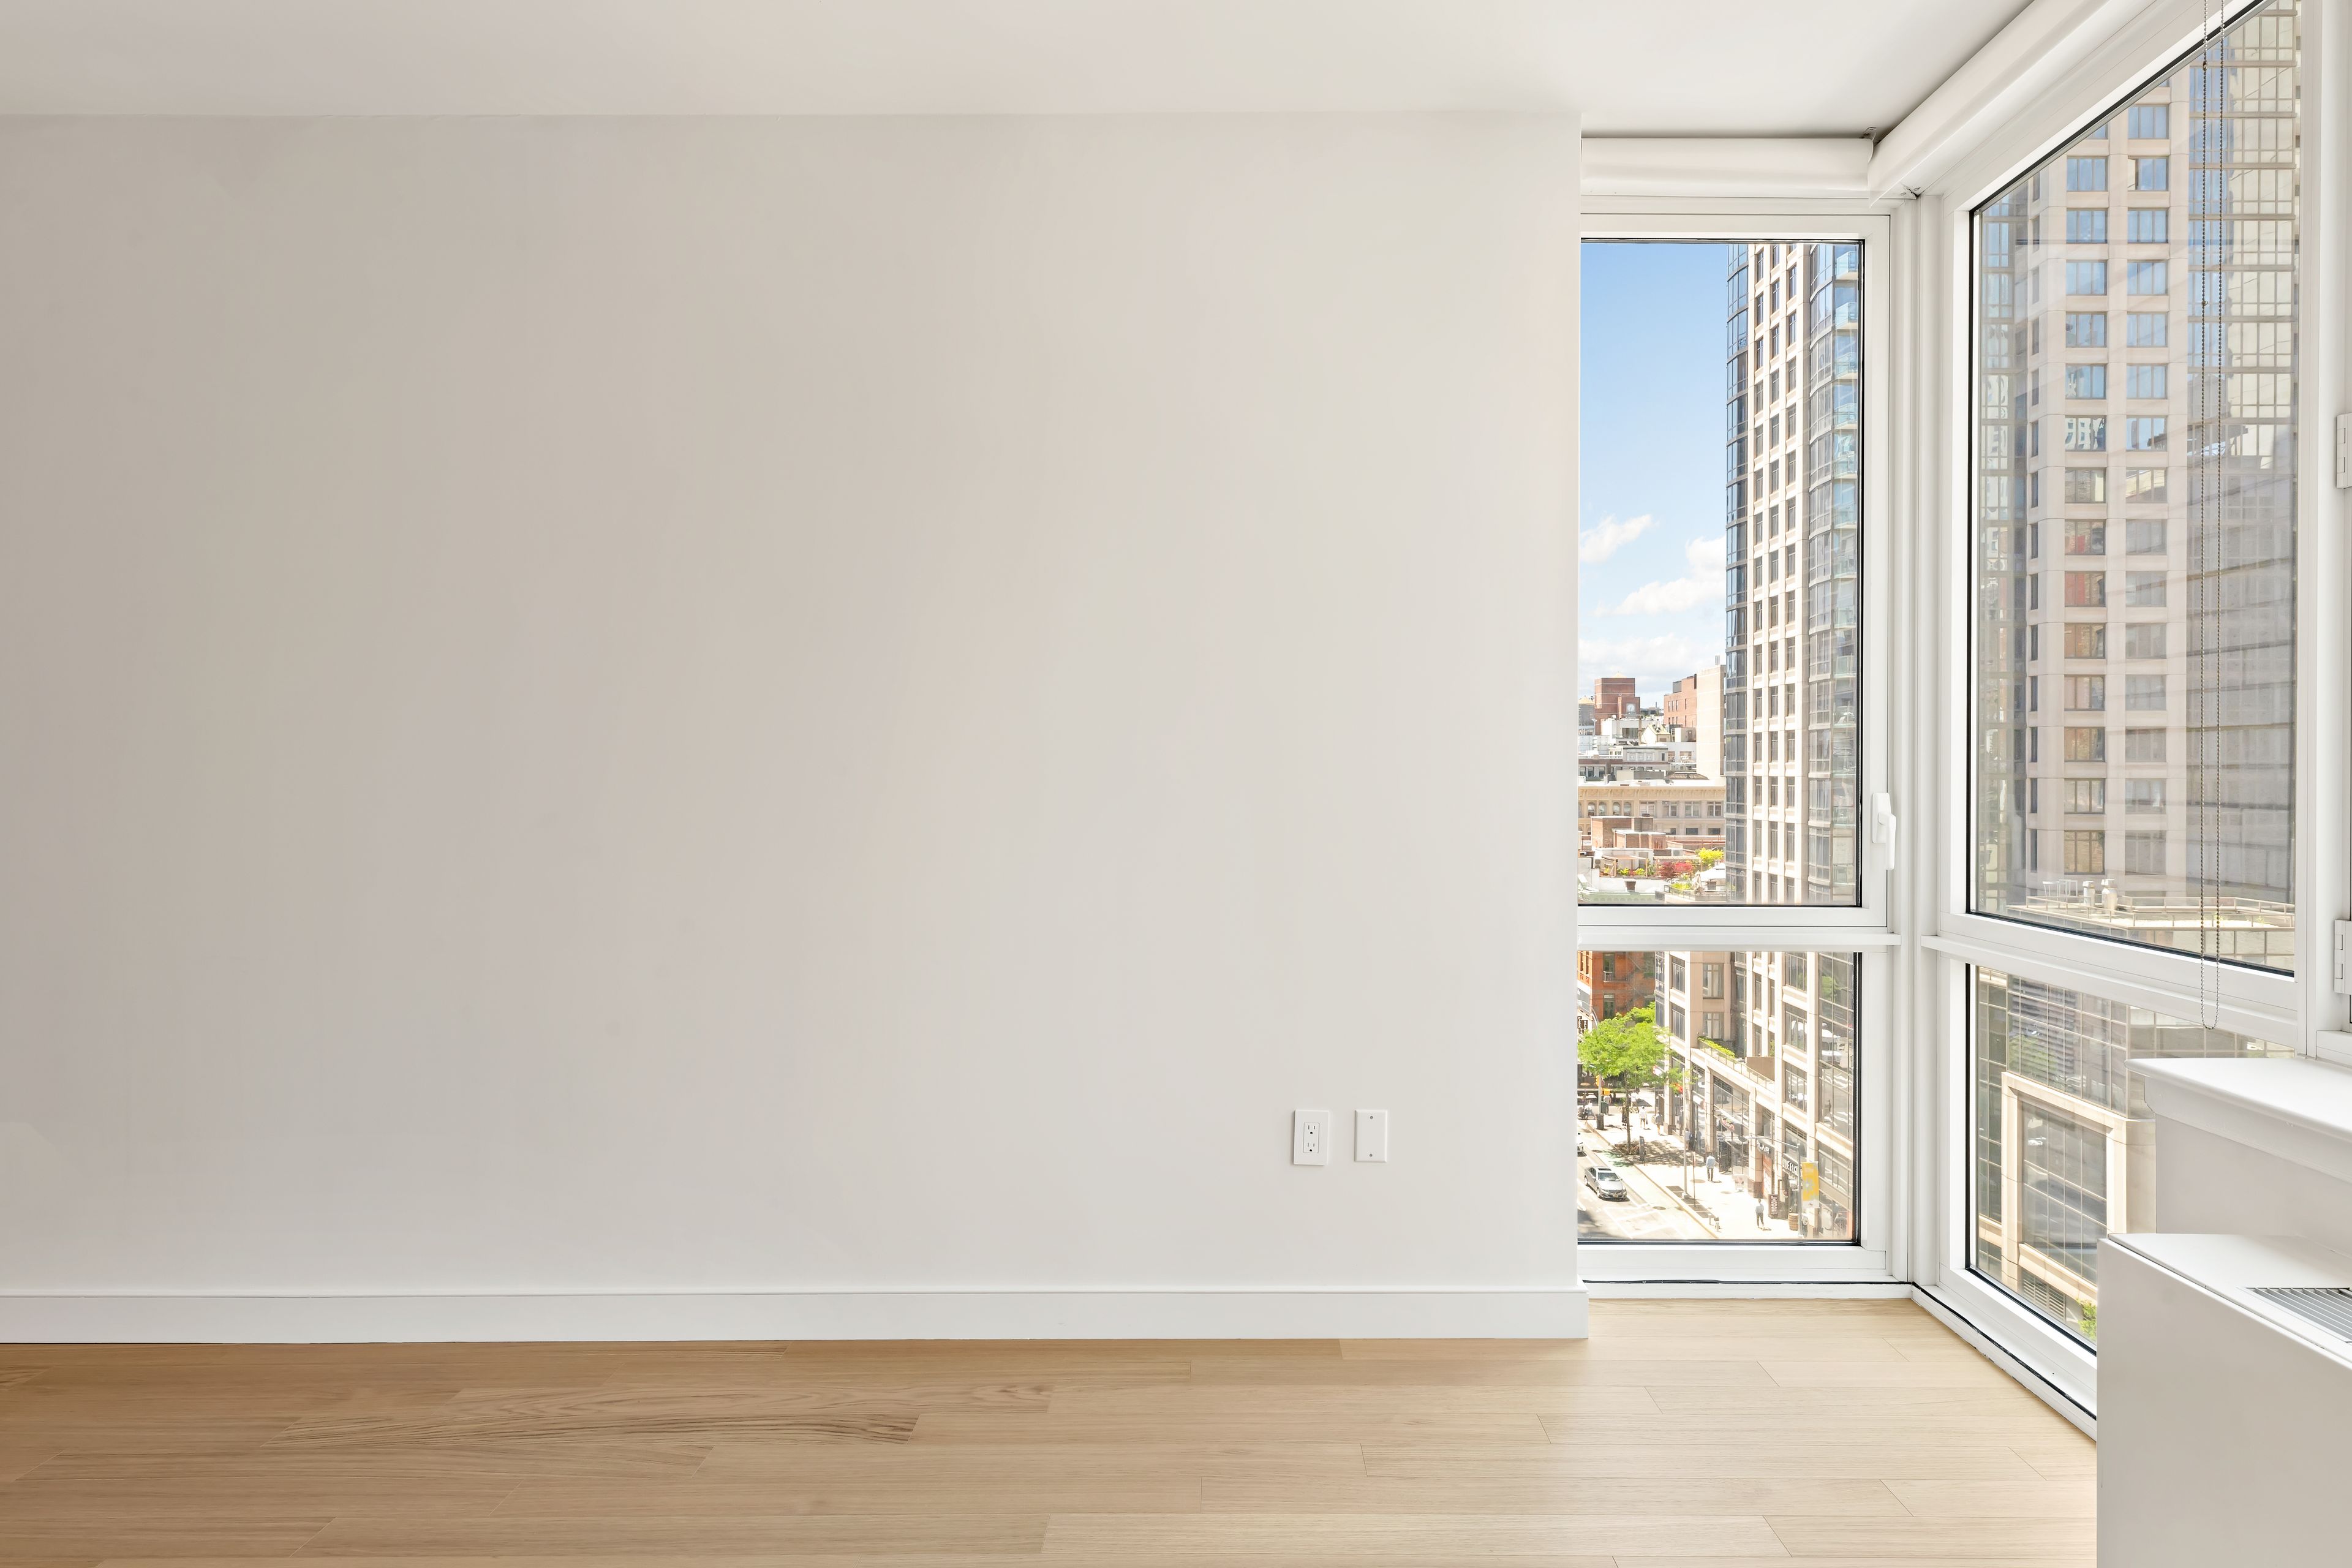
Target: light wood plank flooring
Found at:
x=1682, y=1435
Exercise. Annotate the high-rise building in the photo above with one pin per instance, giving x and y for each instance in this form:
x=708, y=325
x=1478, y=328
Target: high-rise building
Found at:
x=1792, y=519
x=2136, y=516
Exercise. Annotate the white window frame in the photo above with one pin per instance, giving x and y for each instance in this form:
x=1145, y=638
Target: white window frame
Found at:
x=2298, y=1009
x=1877, y=1256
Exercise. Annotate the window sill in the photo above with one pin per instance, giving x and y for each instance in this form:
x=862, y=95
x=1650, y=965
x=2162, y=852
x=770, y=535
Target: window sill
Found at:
x=2292, y=1106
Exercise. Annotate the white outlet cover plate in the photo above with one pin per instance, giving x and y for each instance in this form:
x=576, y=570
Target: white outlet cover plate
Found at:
x=1310, y=1137
x=1372, y=1136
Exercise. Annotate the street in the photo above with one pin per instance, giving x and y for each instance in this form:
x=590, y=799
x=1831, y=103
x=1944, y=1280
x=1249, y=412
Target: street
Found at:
x=1656, y=1210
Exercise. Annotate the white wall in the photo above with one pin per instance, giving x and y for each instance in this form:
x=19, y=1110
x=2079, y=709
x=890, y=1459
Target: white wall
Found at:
x=785, y=706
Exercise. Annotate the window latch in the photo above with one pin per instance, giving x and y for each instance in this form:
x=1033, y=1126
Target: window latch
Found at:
x=1881, y=818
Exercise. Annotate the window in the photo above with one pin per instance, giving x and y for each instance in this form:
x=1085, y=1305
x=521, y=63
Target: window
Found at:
x=2086, y=381
x=2086, y=225
x=2086, y=329
x=2207, y=561
x=2086, y=536
x=2086, y=639
x=1683, y=1090
x=2086, y=278
x=2086, y=487
x=2086, y=745
x=2086, y=798
x=2087, y=852
x=1661, y=1099
x=2063, y=1144
x=1787, y=551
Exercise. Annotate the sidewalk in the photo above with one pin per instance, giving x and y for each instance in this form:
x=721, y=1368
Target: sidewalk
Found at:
x=1723, y=1208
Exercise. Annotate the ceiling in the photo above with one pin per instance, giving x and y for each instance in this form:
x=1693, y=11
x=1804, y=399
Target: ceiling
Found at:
x=1634, y=67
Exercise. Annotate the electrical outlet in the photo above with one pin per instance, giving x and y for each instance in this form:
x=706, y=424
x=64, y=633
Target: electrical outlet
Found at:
x=1310, y=1137
x=1372, y=1136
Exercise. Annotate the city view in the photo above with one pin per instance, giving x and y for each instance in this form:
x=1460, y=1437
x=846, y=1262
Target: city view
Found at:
x=2134, y=548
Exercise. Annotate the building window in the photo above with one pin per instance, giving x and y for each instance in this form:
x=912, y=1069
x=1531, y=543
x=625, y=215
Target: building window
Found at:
x=2145, y=590
x=2086, y=487
x=2143, y=795
x=2086, y=693
x=2146, y=226
x=2086, y=225
x=2086, y=278
x=2086, y=329
x=2151, y=173
x=2088, y=433
x=2143, y=693
x=1710, y=979
x=2086, y=639
x=2144, y=329
x=2144, y=433
x=2145, y=487
x=2086, y=853
x=2143, y=746
x=2086, y=381
x=2086, y=798
x=2144, y=381
x=2145, y=640
x=2086, y=745
x=2144, y=277
x=2149, y=122
x=2086, y=536
x=2085, y=589
x=2087, y=174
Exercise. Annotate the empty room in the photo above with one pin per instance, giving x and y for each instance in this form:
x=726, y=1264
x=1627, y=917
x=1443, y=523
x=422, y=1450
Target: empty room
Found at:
x=1369, y=784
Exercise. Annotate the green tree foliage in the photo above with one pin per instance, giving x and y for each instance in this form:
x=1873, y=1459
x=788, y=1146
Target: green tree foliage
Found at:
x=1626, y=1048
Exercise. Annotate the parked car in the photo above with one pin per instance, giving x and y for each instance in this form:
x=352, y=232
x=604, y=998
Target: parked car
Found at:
x=1606, y=1183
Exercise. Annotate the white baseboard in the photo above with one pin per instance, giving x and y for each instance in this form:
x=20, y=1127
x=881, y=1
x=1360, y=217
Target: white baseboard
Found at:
x=222, y=1319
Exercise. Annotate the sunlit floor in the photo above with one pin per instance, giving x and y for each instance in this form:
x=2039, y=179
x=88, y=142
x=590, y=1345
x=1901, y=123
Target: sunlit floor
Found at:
x=1681, y=1434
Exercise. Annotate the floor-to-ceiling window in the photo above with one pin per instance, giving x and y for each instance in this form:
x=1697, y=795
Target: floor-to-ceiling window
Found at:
x=2133, y=654
x=1723, y=739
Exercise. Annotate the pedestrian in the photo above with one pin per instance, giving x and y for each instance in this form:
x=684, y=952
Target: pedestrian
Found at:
x=1760, y=1213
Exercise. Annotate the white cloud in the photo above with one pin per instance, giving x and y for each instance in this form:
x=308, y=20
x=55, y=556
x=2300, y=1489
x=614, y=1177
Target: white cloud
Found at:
x=1702, y=584
x=1654, y=663
x=1607, y=537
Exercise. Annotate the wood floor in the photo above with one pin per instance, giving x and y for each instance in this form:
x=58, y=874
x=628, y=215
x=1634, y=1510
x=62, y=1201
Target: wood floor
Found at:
x=1682, y=1435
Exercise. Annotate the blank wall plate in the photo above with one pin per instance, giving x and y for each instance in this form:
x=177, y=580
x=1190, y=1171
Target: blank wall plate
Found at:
x=1373, y=1136
x=1310, y=1137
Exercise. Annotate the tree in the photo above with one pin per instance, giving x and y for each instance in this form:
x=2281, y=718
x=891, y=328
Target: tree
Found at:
x=1709, y=858
x=1627, y=1047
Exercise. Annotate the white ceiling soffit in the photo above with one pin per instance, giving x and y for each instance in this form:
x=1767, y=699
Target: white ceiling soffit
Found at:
x=1693, y=68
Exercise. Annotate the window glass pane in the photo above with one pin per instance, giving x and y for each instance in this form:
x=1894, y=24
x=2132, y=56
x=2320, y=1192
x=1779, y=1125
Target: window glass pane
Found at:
x=2064, y=1151
x=1720, y=619
x=2193, y=476
x=1715, y=1117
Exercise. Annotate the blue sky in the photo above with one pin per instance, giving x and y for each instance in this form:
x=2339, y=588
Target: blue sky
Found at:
x=1650, y=514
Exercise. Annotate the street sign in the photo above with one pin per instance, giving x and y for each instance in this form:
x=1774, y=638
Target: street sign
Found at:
x=1811, y=1175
